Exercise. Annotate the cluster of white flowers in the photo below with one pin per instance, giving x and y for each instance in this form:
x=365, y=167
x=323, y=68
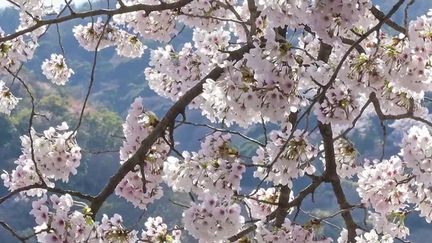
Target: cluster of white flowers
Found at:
x=373, y=237
x=276, y=12
x=57, y=221
x=364, y=71
x=334, y=18
x=113, y=230
x=288, y=232
x=208, y=45
x=273, y=79
x=263, y=202
x=293, y=161
x=158, y=25
x=7, y=100
x=14, y=52
x=412, y=72
x=346, y=156
x=391, y=186
x=171, y=74
x=365, y=237
x=155, y=25
x=214, y=169
x=142, y=186
x=265, y=86
x=422, y=197
x=129, y=45
x=213, y=220
x=91, y=34
x=55, y=152
x=381, y=185
x=157, y=231
x=56, y=70
x=108, y=34
x=417, y=153
x=339, y=106
x=191, y=13
x=392, y=224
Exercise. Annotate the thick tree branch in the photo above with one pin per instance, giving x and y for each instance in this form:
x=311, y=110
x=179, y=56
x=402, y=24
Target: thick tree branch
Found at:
x=381, y=17
x=12, y=231
x=50, y=189
x=159, y=130
x=108, y=12
x=409, y=114
x=330, y=173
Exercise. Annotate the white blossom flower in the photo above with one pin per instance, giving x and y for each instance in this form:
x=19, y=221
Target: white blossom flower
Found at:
x=7, y=100
x=56, y=70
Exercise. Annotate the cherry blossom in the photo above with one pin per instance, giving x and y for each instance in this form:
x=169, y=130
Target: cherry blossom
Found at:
x=380, y=184
x=215, y=168
x=298, y=80
x=55, y=153
x=213, y=220
x=417, y=152
x=91, y=34
x=14, y=52
x=289, y=232
x=157, y=231
x=129, y=45
x=7, y=100
x=346, y=156
x=263, y=202
x=141, y=187
x=373, y=237
x=294, y=159
x=392, y=224
x=56, y=70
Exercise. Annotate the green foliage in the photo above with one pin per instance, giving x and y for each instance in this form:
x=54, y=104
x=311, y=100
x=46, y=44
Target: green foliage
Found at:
x=9, y=138
x=55, y=104
x=100, y=130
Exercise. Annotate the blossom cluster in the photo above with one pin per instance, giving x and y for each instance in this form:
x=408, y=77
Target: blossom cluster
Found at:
x=378, y=185
x=157, y=231
x=172, y=73
x=57, y=222
x=365, y=237
x=56, y=70
x=392, y=224
x=335, y=18
x=289, y=155
x=155, y=25
x=103, y=35
x=264, y=202
x=345, y=156
x=288, y=232
x=54, y=154
x=392, y=186
x=276, y=77
x=215, y=168
x=339, y=106
x=61, y=219
x=213, y=220
x=141, y=186
x=7, y=100
x=264, y=86
x=14, y=52
x=191, y=13
x=417, y=153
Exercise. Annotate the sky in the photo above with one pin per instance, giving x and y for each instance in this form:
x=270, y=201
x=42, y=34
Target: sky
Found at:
x=4, y=3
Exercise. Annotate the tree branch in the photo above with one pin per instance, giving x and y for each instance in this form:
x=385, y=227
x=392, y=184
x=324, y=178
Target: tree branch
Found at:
x=159, y=131
x=108, y=12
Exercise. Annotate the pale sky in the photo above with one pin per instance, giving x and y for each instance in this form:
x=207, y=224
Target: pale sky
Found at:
x=4, y=3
